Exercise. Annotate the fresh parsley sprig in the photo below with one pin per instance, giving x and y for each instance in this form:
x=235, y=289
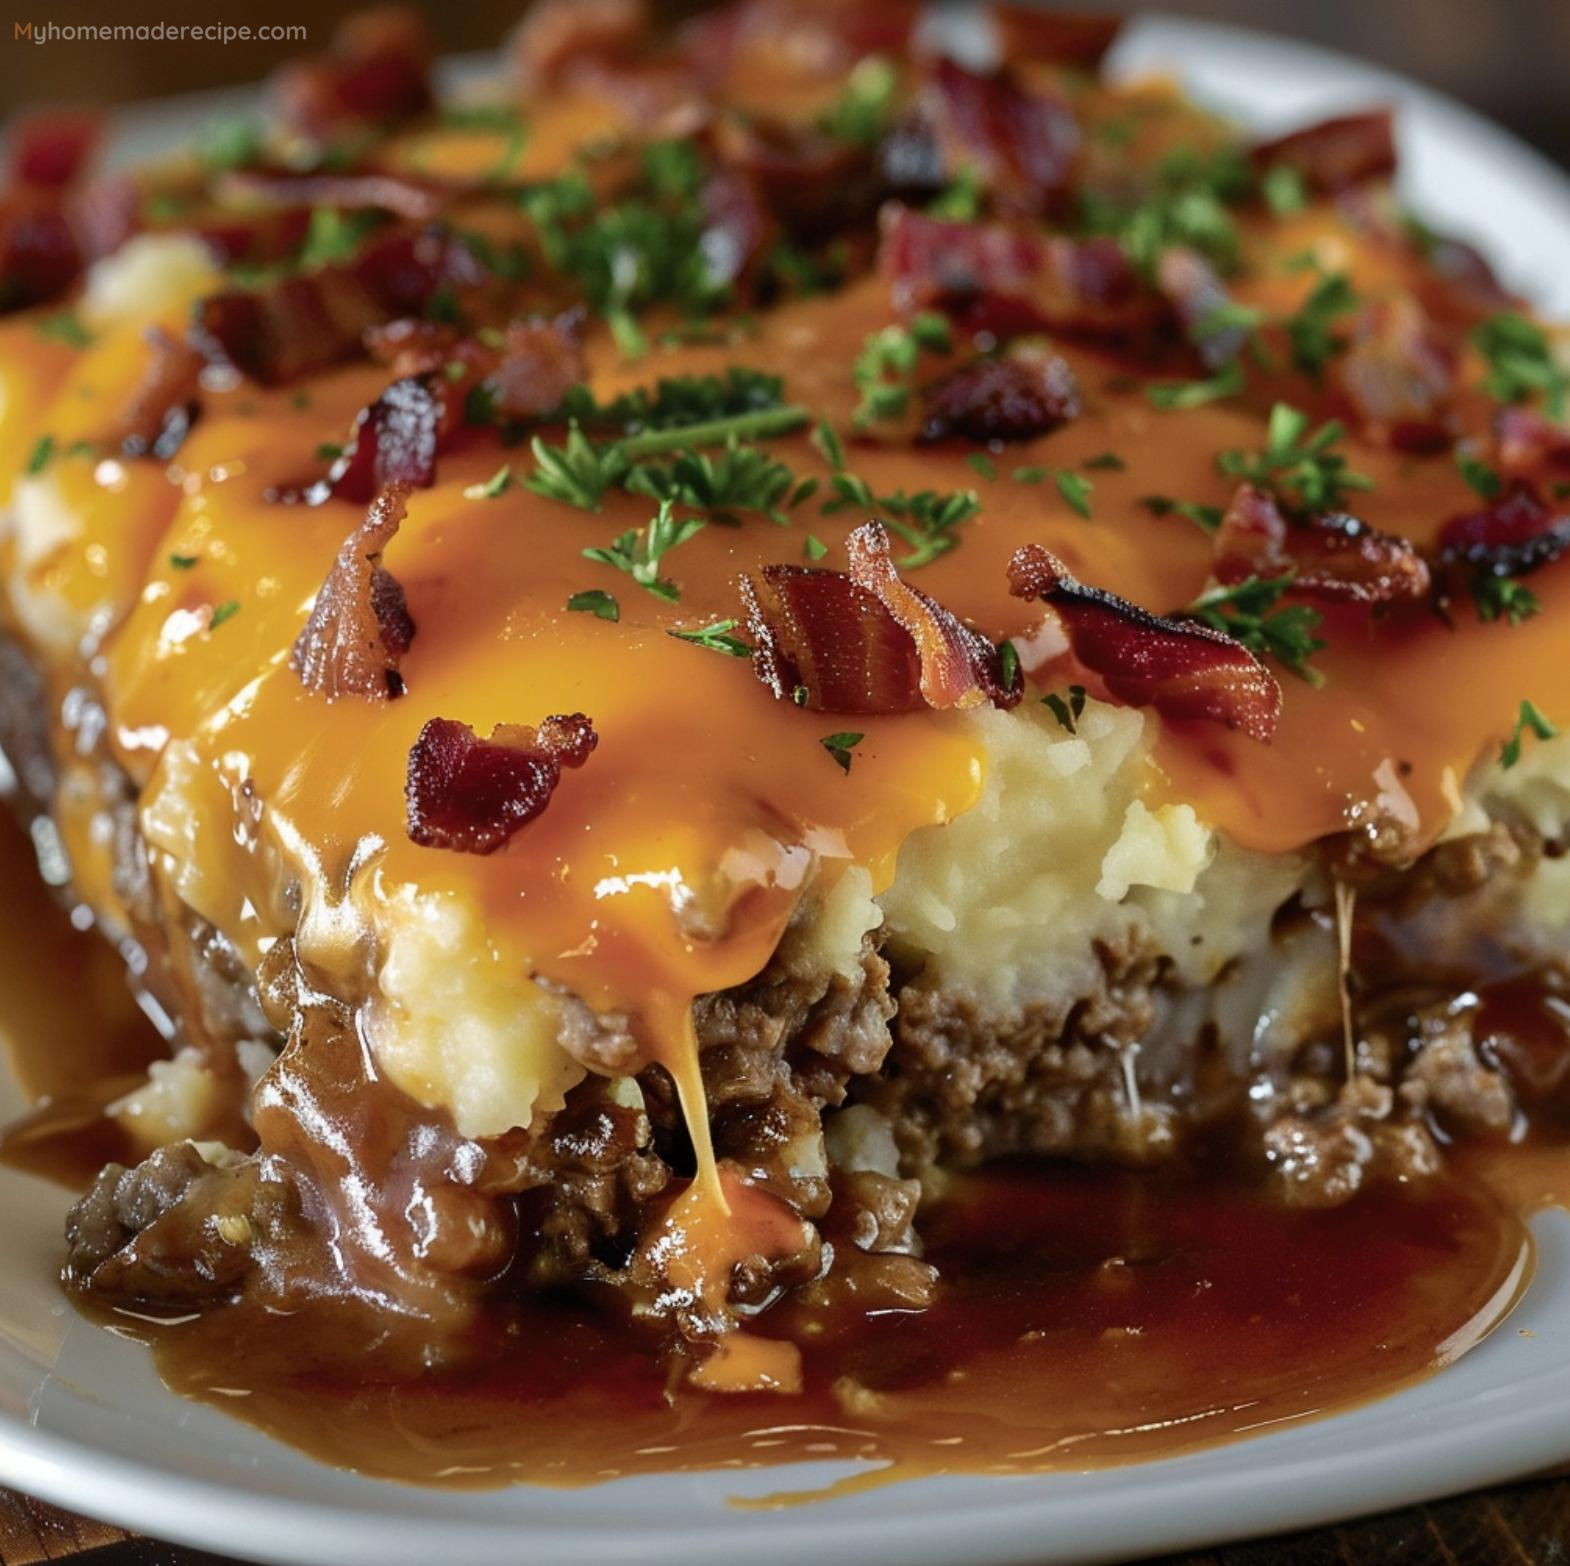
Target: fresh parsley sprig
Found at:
x=1295, y=460
x=718, y=636
x=1528, y=718
x=1252, y=612
x=887, y=362
x=639, y=551
x=1520, y=362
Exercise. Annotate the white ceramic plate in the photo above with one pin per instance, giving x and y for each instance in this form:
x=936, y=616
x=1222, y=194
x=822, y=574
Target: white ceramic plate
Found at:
x=85, y=1423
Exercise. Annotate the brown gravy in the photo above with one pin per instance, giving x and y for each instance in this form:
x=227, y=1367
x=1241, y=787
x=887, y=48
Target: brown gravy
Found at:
x=1091, y=1317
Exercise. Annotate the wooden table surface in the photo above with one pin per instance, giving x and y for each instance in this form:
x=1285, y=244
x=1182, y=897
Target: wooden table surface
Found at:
x=1518, y=1525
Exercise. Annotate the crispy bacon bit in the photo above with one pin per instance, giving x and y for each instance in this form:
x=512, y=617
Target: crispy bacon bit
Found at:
x=1399, y=376
x=1336, y=153
x=394, y=442
x=470, y=795
x=866, y=642
x=738, y=227
x=51, y=149
x=1194, y=290
x=1335, y=556
x=359, y=628
x=1514, y=535
x=1025, y=391
x=813, y=38
x=994, y=278
x=541, y=361
x=417, y=200
x=1526, y=441
x=50, y=225
x=166, y=401
x=1181, y=668
x=1079, y=38
x=375, y=74
x=304, y=324
x=813, y=184
x=1021, y=143
x=959, y=666
x=411, y=346
x=558, y=34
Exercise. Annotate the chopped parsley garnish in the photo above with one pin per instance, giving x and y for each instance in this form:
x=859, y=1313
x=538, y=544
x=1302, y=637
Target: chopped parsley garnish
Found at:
x=1252, y=612
x=1187, y=207
x=926, y=520
x=982, y=464
x=1066, y=709
x=183, y=562
x=1482, y=478
x=1075, y=489
x=1527, y=718
x=826, y=438
x=1310, y=328
x=639, y=551
x=884, y=367
x=1297, y=461
x=577, y=473
x=231, y=144
x=1503, y=598
x=227, y=610
x=1207, y=518
x=678, y=400
x=334, y=235
x=1008, y=665
x=1520, y=362
x=840, y=746
x=961, y=202
x=1176, y=396
x=1284, y=191
x=64, y=327
x=717, y=637
x=329, y=451
x=1108, y=461
x=642, y=250
x=861, y=114
x=763, y=424
x=739, y=478
x=498, y=483
x=814, y=548
x=595, y=601
x=41, y=455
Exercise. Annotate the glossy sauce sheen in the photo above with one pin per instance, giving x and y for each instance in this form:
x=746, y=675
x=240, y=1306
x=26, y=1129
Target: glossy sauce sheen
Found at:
x=1091, y=1317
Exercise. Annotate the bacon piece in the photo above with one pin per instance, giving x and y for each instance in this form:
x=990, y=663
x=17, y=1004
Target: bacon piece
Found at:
x=558, y=34
x=1398, y=374
x=1513, y=535
x=393, y=443
x=375, y=75
x=1080, y=38
x=1181, y=668
x=1021, y=143
x=541, y=361
x=52, y=148
x=166, y=400
x=417, y=200
x=1025, y=391
x=738, y=228
x=1195, y=292
x=411, y=346
x=470, y=795
x=359, y=627
x=994, y=278
x=1336, y=153
x=820, y=39
x=866, y=642
x=304, y=324
x=1335, y=556
x=50, y=225
x=1527, y=441
x=812, y=184
x=959, y=667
